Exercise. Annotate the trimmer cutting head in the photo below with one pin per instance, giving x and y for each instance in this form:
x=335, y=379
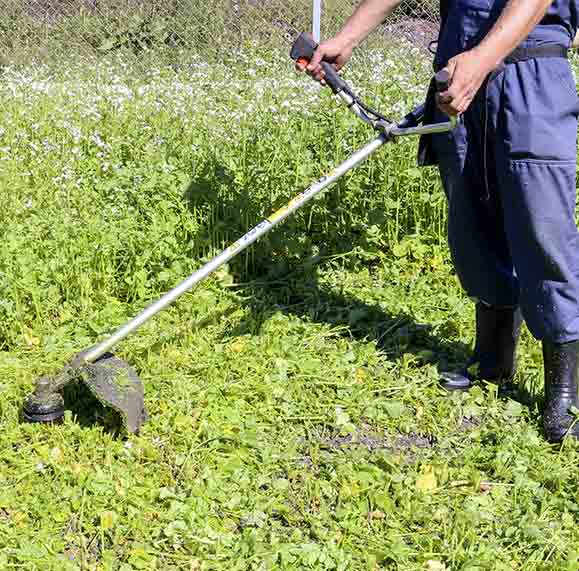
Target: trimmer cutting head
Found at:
x=43, y=405
x=111, y=380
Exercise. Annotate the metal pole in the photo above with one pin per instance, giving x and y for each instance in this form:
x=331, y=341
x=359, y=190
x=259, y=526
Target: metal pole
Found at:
x=93, y=353
x=317, y=20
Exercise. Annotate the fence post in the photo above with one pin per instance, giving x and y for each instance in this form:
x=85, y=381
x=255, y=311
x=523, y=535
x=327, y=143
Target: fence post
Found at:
x=317, y=20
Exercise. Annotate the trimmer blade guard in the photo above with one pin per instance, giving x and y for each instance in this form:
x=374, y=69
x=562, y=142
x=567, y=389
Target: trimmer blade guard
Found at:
x=112, y=381
x=116, y=384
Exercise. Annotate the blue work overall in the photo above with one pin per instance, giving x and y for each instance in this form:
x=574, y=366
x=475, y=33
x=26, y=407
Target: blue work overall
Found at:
x=509, y=174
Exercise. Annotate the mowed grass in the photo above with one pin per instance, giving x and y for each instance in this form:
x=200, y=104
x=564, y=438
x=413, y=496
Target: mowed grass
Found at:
x=295, y=417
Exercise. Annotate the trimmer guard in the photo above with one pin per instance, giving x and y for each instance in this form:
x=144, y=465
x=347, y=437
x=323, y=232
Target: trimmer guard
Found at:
x=112, y=381
x=116, y=384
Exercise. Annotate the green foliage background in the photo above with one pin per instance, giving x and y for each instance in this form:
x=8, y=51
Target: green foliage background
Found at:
x=295, y=416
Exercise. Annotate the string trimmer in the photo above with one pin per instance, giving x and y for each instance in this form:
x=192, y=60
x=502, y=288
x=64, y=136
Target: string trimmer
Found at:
x=113, y=381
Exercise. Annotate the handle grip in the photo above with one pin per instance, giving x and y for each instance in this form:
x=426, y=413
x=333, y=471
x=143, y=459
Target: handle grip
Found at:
x=302, y=52
x=303, y=48
x=413, y=119
x=442, y=81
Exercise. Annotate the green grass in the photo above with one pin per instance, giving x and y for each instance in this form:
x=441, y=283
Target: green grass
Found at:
x=295, y=417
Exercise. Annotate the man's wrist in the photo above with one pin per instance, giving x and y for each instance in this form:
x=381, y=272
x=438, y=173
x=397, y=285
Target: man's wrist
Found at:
x=349, y=39
x=489, y=57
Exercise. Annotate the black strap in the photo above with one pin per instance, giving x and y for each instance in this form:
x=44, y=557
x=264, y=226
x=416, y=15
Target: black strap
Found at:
x=524, y=54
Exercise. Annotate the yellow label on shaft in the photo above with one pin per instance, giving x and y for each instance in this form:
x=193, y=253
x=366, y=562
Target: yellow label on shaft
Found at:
x=273, y=218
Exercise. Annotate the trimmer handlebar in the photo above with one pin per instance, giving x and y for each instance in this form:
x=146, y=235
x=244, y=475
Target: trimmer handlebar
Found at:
x=442, y=81
x=303, y=51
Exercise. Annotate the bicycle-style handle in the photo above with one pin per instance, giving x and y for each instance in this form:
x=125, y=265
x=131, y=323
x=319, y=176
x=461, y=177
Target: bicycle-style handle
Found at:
x=302, y=52
x=442, y=81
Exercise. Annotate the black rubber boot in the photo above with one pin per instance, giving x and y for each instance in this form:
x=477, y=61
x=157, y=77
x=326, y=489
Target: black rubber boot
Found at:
x=560, y=361
x=494, y=356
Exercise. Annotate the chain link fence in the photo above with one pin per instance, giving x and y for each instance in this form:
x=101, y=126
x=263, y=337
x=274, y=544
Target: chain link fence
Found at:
x=174, y=31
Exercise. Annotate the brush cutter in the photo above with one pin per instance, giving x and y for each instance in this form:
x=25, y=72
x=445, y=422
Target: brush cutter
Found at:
x=114, y=382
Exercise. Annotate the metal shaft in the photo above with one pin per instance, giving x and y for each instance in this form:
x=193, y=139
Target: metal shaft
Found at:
x=424, y=129
x=316, y=20
x=254, y=234
x=400, y=130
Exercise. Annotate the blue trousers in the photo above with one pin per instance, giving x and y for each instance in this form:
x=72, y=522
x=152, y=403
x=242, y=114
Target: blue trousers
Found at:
x=509, y=173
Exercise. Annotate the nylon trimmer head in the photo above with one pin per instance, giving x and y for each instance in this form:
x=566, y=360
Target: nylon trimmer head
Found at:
x=115, y=383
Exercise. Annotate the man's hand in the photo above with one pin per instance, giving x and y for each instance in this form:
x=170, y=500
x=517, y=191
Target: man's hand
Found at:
x=368, y=16
x=467, y=73
x=469, y=69
x=336, y=50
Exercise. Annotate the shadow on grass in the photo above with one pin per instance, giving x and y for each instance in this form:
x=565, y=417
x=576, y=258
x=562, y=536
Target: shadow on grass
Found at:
x=272, y=284
x=89, y=412
x=394, y=333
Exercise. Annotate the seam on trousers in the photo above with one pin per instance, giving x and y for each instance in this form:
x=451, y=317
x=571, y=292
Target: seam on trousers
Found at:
x=543, y=162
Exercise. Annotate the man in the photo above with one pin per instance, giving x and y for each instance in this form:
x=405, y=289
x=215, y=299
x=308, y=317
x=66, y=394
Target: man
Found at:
x=508, y=171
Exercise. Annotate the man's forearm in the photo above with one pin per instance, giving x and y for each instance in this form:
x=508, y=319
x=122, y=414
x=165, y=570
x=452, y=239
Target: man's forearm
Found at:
x=517, y=20
x=368, y=16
